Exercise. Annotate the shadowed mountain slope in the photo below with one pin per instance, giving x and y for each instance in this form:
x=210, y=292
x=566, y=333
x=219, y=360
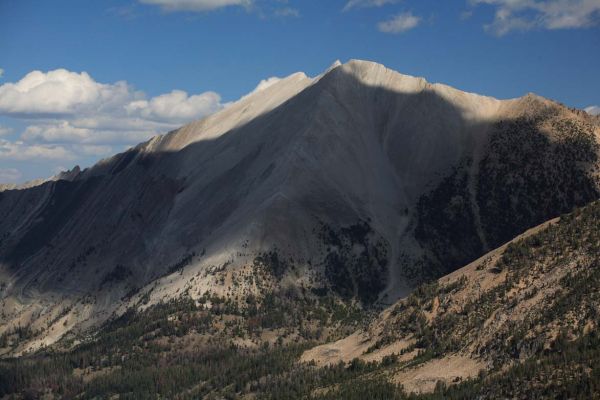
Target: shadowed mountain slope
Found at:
x=520, y=322
x=362, y=183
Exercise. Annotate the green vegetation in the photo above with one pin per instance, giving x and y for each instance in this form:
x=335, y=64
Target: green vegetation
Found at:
x=271, y=262
x=13, y=337
x=189, y=349
x=355, y=261
x=570, y=370
x=363, y=388
x=544, y=365
x=118, y=274
x=216, y=348
x=446, y=225
x=182, y=263
x=530, y=176
x=534, y=169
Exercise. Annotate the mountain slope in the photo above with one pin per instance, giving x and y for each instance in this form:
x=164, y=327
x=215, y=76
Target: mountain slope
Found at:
x=520, y=321
x=360, y=183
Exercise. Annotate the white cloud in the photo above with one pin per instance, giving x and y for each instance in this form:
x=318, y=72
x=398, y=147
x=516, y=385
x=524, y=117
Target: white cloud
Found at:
x=367, y=3
x=196, y=5
x=265, y=83
x=64, y=94
x=21, y=151
x=593, y=110
x=71, y=115
x=522, y=15
x=400, y=23
x=9, y=175
x=60, y=131
x=99, y=130
x=1, y=72
x=60, y=92
x=72, y=107
x=176, y=107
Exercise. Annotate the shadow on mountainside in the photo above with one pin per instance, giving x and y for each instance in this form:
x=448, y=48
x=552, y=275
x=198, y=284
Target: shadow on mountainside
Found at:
x=67, y=236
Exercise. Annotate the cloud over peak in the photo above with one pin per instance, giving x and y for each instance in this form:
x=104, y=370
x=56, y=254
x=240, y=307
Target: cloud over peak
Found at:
x=175, y=107
x=400, y=23
x=265, y=83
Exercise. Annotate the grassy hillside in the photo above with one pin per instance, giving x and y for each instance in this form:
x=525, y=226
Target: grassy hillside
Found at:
x=525, y=314
x=524, y=317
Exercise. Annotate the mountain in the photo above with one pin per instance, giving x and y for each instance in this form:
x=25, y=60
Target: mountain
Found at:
x=355, y=186
x=520, y=322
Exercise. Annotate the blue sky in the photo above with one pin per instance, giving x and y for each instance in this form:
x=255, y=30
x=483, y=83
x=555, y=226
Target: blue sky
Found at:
x=82, y=80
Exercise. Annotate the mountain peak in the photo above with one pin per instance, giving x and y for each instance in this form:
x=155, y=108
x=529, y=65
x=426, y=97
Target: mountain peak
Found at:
x=333, y=66
x=366, y=67
x=353, y=152
x=371, y=74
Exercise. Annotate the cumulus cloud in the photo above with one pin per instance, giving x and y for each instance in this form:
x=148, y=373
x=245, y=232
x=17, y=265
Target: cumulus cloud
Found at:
x=70, y=115
x=593, y=110
x=64, y=94
x=522, y=15
x=367, y=3
x=60, y=131
x=399, y=23
x=70, y=132
x=265, y=83
x=9, y=175
x=176, y=107
x=95, y=130
x=21, y=151
x=73, y=107
x=196, y=5
x=60, y=92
